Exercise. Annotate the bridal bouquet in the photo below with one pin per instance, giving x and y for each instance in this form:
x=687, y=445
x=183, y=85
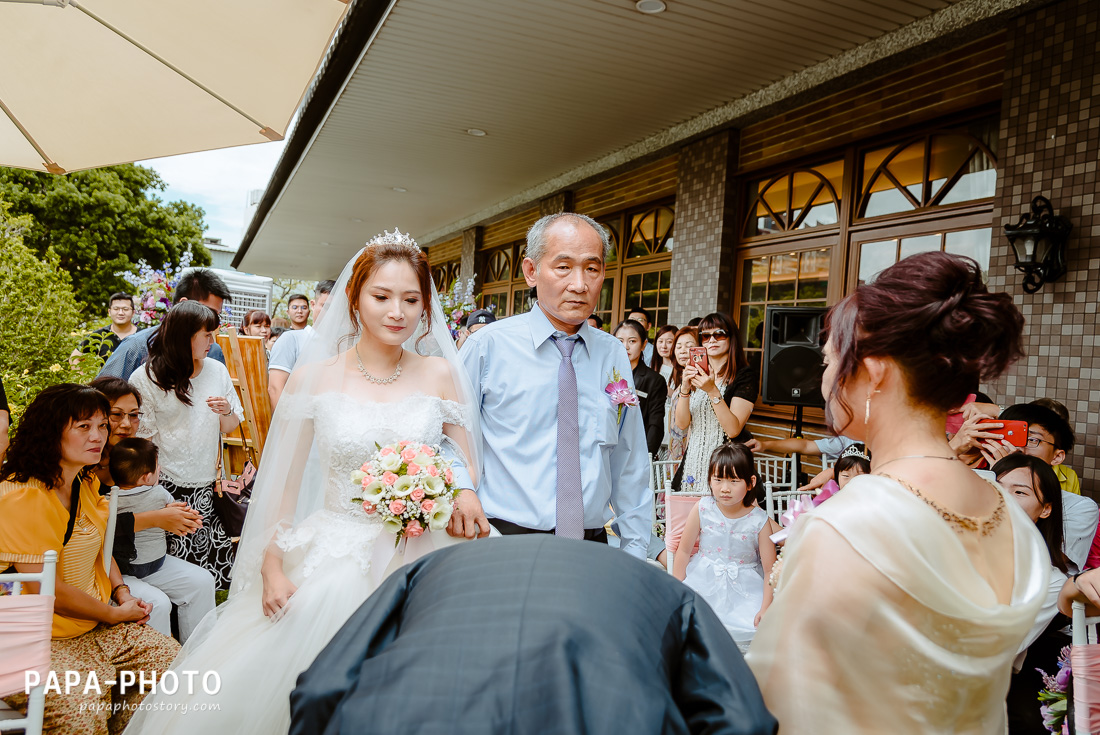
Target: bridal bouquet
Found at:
x=409, y=486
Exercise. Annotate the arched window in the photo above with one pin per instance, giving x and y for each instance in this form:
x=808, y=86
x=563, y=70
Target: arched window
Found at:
x=932, y=170
x=651, y=232
x=795, y=200
x=444, y=275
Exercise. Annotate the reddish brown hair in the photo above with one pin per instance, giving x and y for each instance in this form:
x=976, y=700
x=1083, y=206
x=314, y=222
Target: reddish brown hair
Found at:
x=932, y=314
x=373, y=258
x=678, y=372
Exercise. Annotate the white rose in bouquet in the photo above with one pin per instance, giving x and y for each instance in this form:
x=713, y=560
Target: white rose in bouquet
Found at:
x=389, y=461
x=441, y=516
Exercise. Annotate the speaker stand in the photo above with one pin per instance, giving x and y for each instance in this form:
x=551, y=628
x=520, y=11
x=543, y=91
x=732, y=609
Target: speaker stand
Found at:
x=797, y=435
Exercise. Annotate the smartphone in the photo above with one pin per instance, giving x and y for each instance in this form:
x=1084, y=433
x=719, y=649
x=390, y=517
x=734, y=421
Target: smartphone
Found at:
x=1014, y=432
x=700, y=360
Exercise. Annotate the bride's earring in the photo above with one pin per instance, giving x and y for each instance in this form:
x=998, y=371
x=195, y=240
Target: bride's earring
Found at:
x=357, y=319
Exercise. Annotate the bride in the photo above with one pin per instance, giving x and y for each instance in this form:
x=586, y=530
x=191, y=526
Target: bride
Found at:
x=309, y=556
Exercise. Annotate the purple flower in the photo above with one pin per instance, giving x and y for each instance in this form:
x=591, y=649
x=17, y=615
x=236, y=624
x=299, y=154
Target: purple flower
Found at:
x=1063, y=678
x=690, y=480
x=620, y=394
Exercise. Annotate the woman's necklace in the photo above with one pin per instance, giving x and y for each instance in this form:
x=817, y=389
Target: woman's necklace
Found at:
x=914, y=456
x=371, y=378
x=959, y=522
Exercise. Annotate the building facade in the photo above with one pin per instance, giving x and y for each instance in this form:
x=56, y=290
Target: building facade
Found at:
x=936, y=152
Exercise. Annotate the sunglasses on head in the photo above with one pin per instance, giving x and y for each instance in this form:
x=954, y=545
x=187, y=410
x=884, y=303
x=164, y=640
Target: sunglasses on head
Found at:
x=715, y=334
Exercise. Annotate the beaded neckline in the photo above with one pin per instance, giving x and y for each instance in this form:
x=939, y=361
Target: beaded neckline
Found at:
x=959, y=522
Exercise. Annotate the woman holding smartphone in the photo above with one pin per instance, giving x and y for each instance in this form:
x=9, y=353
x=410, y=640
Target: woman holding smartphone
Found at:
x=716, y=396
x=188, y=403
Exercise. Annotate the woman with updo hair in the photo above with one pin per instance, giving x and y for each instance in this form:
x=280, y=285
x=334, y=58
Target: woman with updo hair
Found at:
x=904, y=599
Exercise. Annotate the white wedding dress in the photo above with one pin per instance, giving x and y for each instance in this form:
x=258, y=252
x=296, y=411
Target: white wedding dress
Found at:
x=336, y=556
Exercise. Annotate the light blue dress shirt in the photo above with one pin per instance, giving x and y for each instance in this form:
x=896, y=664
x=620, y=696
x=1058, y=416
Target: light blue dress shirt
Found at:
x=513, y=367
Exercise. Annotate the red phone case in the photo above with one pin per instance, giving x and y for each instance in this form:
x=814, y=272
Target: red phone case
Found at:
x=704, y=363
x=1013, y=431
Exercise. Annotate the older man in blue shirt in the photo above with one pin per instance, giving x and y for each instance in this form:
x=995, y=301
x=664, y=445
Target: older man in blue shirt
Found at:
x=559, y=453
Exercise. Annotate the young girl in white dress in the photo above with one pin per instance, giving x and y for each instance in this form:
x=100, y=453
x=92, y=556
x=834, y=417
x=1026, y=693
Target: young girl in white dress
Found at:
x=735, y=554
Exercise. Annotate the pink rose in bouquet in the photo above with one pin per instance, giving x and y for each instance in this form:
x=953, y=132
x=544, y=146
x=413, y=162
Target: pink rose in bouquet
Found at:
x=408, y=486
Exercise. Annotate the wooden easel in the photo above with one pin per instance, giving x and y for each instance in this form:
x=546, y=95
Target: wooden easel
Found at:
x=247, y=363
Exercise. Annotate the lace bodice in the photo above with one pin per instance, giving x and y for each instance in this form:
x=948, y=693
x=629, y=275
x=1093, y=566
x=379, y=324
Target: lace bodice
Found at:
x=729, y=540
x=346, y=431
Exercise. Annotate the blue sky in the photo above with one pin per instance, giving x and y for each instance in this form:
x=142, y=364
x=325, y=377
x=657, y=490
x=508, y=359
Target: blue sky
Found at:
x=219, y=182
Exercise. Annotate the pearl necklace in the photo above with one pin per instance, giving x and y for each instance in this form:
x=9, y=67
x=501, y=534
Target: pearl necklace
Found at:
x=371, y=378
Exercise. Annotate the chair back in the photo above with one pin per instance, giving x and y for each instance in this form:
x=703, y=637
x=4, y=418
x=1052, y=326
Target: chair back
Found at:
x=777, y=501
x=109, y=536
x=779, y=471
x=678, y=505
x=1085, y=662
x=26, y=628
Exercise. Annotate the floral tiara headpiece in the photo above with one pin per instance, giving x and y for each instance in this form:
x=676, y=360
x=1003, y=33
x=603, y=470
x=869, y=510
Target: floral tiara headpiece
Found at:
x=855, y=451
x=394, y=238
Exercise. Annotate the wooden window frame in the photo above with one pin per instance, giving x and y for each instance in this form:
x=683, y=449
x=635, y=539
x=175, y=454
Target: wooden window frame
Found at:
x=844, y=263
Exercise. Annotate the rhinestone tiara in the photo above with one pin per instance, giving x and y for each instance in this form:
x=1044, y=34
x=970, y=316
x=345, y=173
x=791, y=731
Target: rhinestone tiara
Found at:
x=854, y=451
x=394, y=238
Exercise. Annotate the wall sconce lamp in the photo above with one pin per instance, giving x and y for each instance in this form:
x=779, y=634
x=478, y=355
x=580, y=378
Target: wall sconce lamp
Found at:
x=1039, y=242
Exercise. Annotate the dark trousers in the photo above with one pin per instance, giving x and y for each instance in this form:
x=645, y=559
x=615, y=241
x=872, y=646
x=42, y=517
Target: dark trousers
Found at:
x=507, y=528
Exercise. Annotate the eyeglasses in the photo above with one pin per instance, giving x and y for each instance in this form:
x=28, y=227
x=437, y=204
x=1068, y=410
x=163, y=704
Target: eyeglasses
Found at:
x=1034, y=441
x=134, y=416
x=717, y=334
x=299, y=307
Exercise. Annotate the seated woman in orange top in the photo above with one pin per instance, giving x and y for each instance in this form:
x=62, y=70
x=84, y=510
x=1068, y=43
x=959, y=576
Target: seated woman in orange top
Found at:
x=49, y=499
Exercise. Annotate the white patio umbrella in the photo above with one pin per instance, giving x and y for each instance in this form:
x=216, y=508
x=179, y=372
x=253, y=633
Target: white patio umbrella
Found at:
x=86, y=83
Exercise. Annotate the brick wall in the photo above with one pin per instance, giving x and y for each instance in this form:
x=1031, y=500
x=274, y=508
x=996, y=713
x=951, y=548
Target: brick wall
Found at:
x=705, y=236
x=957, y=80
x=1050, y=144
x=637, y=186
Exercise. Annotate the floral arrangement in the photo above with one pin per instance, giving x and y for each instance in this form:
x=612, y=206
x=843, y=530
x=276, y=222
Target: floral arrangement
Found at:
x=618, y=390
x=409, y=486
x=155, y=288
x=458, y=302
x=1054, y=697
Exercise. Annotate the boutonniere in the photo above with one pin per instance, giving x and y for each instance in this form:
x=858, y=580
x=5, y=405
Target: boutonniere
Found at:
x=618, y=390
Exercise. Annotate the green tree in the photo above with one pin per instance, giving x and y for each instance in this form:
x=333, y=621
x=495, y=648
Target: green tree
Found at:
x=102, y=221
x=41, y=320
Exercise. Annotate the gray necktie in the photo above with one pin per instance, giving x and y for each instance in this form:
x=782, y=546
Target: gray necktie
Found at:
x=570, y=507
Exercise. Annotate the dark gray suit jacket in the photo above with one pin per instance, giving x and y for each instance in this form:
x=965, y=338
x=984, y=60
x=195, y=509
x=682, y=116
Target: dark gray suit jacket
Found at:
x=530, y=634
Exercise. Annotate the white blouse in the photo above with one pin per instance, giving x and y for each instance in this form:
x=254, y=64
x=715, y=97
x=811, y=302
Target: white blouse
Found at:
x=189, y=437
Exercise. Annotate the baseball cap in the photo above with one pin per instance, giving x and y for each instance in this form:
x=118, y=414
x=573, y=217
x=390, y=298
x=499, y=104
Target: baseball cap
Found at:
x=481, y=316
